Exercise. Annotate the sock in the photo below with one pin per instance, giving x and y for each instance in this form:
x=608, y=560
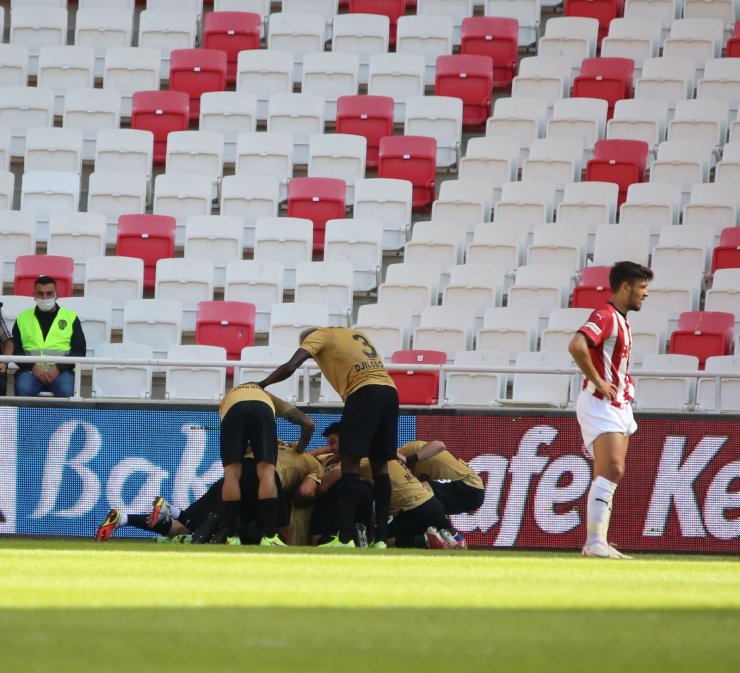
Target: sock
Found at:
x=382, y=505
x=123, y=521
x=267, y=513
x=348, y=492
x=411, y=541
x=184, y=520
x=176, y=512
x=230, y=514
x=599, y=509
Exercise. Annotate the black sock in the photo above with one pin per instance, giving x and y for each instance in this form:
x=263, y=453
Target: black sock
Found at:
x=184, y=519
x=408, y=541
x=139, y=521
x=267, y=513
x=230, y=514
x=349, y=487
x=382, y=505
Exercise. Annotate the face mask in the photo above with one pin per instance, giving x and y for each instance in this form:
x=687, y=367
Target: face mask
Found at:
x=46, y=304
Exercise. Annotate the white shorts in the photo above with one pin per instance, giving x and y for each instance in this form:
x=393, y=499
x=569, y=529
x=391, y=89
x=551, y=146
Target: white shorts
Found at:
x=597, y=416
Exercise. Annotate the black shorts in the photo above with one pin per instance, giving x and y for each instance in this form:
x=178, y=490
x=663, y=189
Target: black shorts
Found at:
x=416, y=521
x=249, y=424
x=325, y=518
x=457, y=496
x=369, y=425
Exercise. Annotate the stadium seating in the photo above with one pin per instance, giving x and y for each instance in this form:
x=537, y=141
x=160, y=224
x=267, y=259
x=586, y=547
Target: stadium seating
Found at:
x=195, y=71
x=386, y=325
x=727, y=254
x=419, y=388
x=148, y=237
x=703, y=334
x=470, y=78
x=661, y=392
x=160, y=112
x=255, y=282
x=428, y=34
x=476, y=388
x=154, y=322
x=602, y=10
x=29, y=267
x=367, y=116
x=192, y=382
x=122, y=380
x=608, y=78
x=318, y=200
x=729, y=388
x=393, y=9
x=620, y=161
x=410, y=158
x=79, y=236
x=496, y=37
x=231, y=32
x=593, y=288
x=218, y=238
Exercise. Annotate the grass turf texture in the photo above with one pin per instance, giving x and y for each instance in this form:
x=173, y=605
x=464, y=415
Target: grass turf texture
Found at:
x=70, y=605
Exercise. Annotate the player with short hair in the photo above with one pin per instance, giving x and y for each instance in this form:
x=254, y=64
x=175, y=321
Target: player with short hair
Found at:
x=601, y=349
x=355, y=369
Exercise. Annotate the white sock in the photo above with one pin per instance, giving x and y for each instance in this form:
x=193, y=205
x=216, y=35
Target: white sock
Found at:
x=123, y=521
x=175, y=511
x=599, y=509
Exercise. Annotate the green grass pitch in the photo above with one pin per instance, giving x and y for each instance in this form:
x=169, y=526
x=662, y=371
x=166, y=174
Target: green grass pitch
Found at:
x=134, y=607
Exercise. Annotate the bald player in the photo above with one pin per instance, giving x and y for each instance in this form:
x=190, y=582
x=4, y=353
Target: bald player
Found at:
x=369, y=426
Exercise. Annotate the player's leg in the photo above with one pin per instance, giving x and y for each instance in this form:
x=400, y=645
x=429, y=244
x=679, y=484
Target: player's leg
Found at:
x=415, y=528
x=117, y=519
x=264, y=445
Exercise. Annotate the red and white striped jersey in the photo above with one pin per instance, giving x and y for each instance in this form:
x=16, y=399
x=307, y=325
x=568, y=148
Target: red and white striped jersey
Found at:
x=610, y=342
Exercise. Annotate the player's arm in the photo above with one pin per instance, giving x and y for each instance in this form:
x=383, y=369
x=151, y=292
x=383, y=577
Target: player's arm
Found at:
x=321, y=451
x=578, y=348
x=307, y=425
x=429, y=450
x=330, y=478
x=286, y=369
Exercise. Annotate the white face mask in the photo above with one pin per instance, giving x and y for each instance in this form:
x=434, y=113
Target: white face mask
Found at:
x=46, y=304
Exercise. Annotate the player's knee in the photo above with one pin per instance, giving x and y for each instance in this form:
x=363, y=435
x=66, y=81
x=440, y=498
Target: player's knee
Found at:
x=615, y=472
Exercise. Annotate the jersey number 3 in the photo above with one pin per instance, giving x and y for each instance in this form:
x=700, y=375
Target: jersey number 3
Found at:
x=368, y=351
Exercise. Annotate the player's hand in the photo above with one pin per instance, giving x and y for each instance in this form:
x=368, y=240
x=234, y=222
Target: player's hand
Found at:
x=608, y=390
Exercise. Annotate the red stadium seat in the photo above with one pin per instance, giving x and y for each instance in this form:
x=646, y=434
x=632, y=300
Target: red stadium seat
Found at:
x=231, y=32
x=318, y=200
x=229, y=324
x=727, y=254
x=593, y=289
x=148, y=237
x=29, y=267
x=421, y=388
x=497, y=37
x=608, y=78
x=196, y=71
x=412, y=158
x=622, y=162
x=602, y=10
x=470, y=78
x=160, y=112
x=703, y=334
x=733, y=44
x=393, y=9
x=368, y=116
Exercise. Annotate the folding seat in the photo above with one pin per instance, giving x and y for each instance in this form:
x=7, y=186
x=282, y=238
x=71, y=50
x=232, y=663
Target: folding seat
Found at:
x=102, y=28
x=284, y=239
x=637, y=38
x=193, y=6
x=156, y=323
x=47, y=192
x=703, y=334
x=721, y=81
x=386, y=325
x=148, y=237
x=456, y=10
x=232, y=32
x=391, y=9
x=296, y=32
x=228, y=324
x=269, y=357
x=288, y=320
x=262, y=73
x=53, y=149
x=687, y=246
x=15, y=304
x=360, y=243
x=704, y=119
x=249, y=197
x=330, y=75
x=499, y=244
x=268, y=153
x=663, y=392
x=668, y=78
x=664, y=11
x=327, y=394
x=622, y=241
x=258, y=282
x=130, y=69
x=467, y=201
x=620, y=161
x=362, y=34
x=545, y=389
x=181, y=195
x=639, y=119
x=649, y=328
x=186, y=280
x=554, y=160
x=727, y=254
x=122, y=380
x=197, y=153
x=725, y=10
x=24, y=108
x=116, y=278
x=301, y=115
x=438, y=242
x=29, y=267
x=570, y=37
x=529, y=201
x=192, y=382
x=327, y=8
x=728, y=169
x=114, y=4
x=476, y=388
x=218, y=238
x=412, y=158
x=367, y=116
x=654, y=203
x=34, y=29
x=399, y=76
x=729, y=390
x=17, y=237
x=470, y=78
x=7, y=189
x=160, y=112
x=228, y=113
x=91, y=111
x=13, y=65
x=609, y=78
x=562, y=325
x=495, y=37
x=327, y=283
x=419, y=388
x=319, y=200
x=79, y=236
x=526, y=12
x=509, y=330
x=602, y=10
x=491, y=159
x=542, y=77
x=195, y=71
x=557, y=244
x=476, y=286
x=116, y=193
x=590, y=203
x=715, y=204
x=427, y=34
x=388, y=201
x=445, y=328
x=675, y=289
x=415, y=285
x=167, y=30
x=518, y=118
x=699, y=39
x=581, y=119
x=592, y=289
x=96, y=315
x=542, y=287
x=732, y=49
x=338, y=155
x=724, y=295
